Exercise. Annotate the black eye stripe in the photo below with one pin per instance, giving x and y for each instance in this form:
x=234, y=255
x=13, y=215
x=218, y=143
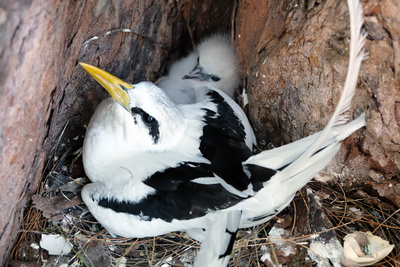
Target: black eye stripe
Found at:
x=137, y=110
x=150, y=122
x=146, y=117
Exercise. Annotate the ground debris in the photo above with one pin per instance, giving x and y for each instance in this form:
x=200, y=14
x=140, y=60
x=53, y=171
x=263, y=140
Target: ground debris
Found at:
x=53, y=208
x=94, y=252
x=293, y=238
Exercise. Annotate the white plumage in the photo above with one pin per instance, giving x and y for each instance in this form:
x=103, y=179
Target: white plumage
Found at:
x=159, y=167
x=212, y=64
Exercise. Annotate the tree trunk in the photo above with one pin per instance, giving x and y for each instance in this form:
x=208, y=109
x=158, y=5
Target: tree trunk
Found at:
x=296, y=72
x=293, y=56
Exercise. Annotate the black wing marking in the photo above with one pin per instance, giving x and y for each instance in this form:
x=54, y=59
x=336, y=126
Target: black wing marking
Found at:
x=177, y=197
x=223, y=143
x=150, y=122
x=262, y=217
x=229, y=248
x=171, y=178
x=259, y=175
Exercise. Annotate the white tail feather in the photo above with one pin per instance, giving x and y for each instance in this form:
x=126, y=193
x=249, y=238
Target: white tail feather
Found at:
x=339, y=117
x=281, y=156
x=220, y=234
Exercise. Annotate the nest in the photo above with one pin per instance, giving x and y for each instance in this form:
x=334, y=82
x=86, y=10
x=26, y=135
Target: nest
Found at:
x=319, y=214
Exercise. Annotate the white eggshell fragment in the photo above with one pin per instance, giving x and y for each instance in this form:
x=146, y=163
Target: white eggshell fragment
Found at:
x=55, y=244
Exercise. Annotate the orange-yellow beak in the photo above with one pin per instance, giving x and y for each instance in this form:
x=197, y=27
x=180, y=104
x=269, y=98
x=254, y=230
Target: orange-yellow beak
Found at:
x=115, y=87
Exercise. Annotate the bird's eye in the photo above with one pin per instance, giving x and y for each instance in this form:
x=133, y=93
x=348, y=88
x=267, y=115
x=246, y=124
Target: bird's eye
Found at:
x=215, y=78
x=147, y=118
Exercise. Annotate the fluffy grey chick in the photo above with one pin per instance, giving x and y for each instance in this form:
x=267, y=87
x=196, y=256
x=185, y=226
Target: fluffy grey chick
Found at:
x=212, y=64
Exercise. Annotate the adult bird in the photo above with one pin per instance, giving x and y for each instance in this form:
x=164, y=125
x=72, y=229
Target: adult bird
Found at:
x=213, y=63
x=157, y=167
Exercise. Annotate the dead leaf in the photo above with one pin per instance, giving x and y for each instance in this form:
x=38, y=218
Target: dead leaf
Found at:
x=53, y=207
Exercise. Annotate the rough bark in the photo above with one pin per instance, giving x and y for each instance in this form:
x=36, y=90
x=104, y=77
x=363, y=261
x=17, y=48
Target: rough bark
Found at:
x=294, y=58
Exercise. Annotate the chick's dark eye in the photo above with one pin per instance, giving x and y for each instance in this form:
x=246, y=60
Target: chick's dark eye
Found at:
x=215, y=78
